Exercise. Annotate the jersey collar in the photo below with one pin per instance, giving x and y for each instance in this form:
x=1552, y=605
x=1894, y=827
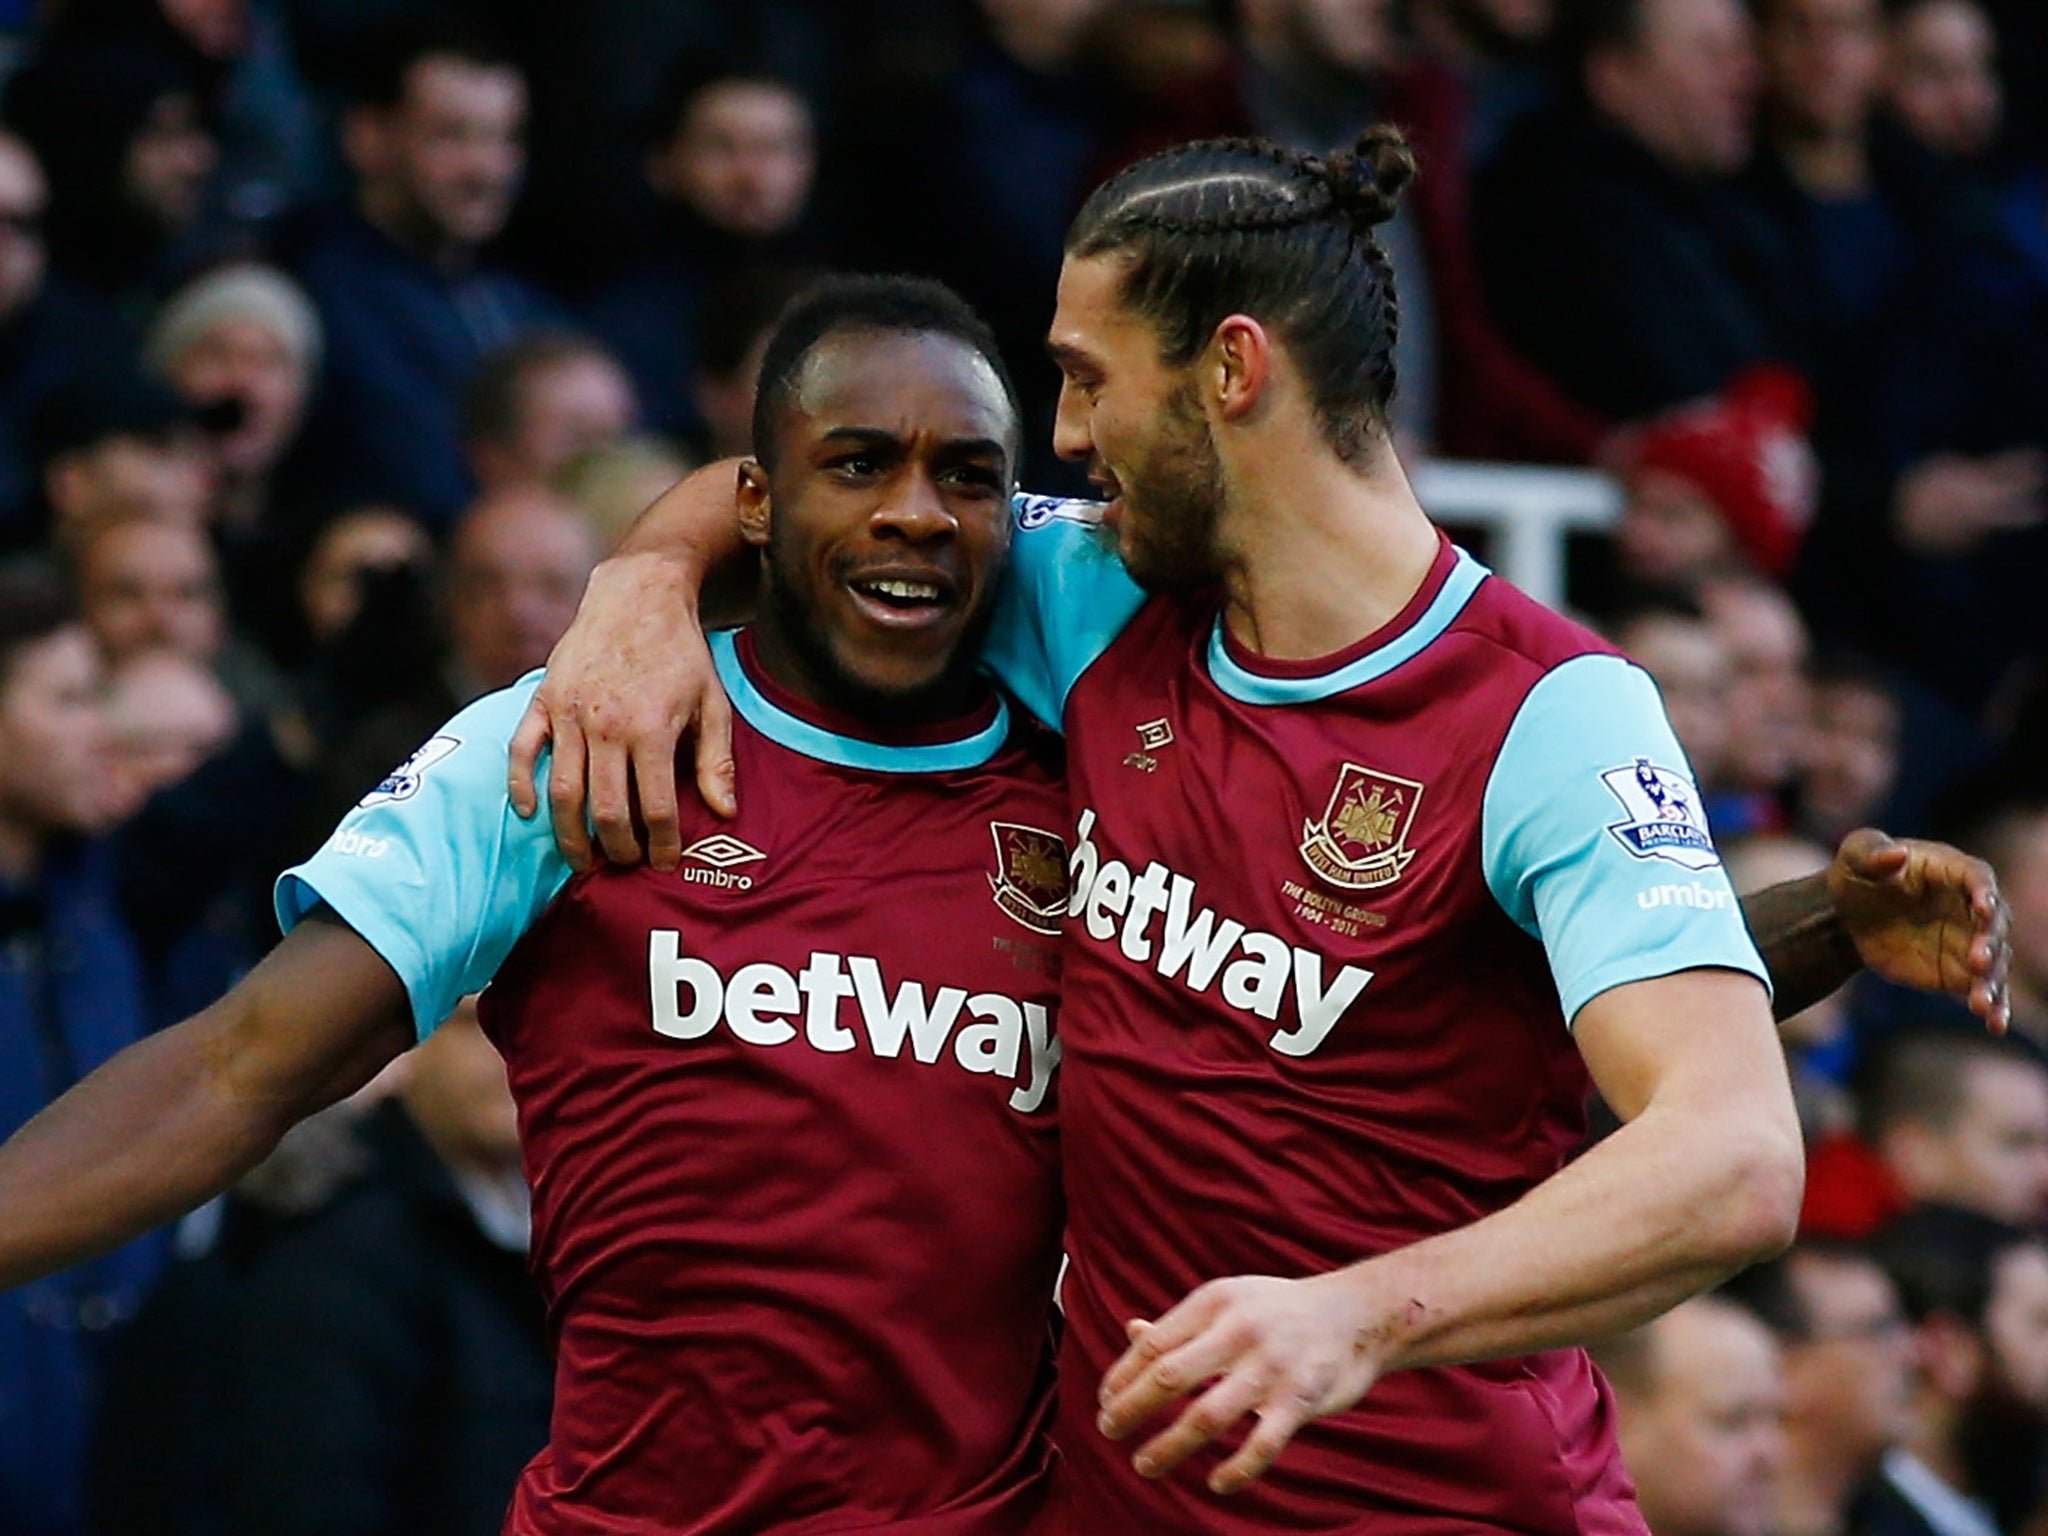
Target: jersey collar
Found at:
x=1253, y=679
x=802, y=728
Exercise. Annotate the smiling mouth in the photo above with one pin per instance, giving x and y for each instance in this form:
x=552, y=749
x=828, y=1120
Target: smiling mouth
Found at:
x=903, y=601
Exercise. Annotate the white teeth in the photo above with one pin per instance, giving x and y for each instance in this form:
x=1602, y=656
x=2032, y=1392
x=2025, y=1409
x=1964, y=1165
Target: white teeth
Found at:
x=908, y=591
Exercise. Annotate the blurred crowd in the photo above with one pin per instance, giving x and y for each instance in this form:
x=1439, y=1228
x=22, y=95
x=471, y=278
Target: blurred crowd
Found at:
x=340, y=338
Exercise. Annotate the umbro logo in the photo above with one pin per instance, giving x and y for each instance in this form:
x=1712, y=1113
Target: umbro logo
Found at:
x=722, y=853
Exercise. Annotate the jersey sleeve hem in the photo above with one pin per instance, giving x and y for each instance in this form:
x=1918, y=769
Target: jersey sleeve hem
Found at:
x=297, y=894
x=1651, y=966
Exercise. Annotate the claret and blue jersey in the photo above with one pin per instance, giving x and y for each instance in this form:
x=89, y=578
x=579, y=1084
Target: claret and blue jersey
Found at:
x=1329, y=924
x=787, y=1112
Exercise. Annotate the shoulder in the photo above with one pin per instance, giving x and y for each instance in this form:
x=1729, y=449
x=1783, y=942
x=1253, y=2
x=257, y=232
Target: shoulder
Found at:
x=1518, y=627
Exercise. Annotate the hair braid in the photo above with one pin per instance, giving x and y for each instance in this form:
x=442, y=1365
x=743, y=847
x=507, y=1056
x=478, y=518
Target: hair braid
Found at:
x=1222, y=226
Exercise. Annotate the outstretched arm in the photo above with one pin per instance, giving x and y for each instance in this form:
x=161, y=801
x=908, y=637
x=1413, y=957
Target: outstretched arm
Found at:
x=1917, y=913
x=178, y=1117
x=630, y=677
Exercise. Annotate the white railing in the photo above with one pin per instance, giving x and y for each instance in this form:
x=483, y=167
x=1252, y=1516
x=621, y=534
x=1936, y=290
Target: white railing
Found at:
x=1526, y=513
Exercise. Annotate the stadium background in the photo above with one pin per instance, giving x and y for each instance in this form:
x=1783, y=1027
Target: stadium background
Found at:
x=323, y=383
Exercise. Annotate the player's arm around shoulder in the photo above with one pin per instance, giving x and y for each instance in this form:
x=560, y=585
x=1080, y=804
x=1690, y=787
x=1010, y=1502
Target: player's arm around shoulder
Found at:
x=177, y=1117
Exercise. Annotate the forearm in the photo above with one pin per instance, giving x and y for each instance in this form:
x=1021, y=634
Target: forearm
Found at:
x=177, y=1117
x=150, y=1135
x=1805, y=945
x=1667, y=1206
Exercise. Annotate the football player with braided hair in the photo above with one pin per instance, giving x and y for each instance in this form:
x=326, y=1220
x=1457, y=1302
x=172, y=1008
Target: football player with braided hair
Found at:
x=1367, y=887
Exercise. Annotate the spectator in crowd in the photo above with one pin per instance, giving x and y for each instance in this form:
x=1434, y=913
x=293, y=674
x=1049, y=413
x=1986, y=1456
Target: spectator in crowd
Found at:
x=1848, y=1378
x=1672, y=641
x=516, y=569
x=1959, y=1119
x=168, y=715
x=71, y=995
x=612, y=486
x=1495, y=49
x=1851, y=761
x=1698, y=1393
x=238, y=54
x=410, y=308
x=150, y=582
x=122, y=135
x=730, y=346
x=731, y=163
x=1768, y=698
x=388, y=1362
x=113, y=445
x=1619, y=252
x=516, y=566
x=540, y=402
x=2012, y=834
x=1724, y=481
x=1941, y=78
x=241, y=345
x=348, y=547
x=47, y=334
x=1976, y=1291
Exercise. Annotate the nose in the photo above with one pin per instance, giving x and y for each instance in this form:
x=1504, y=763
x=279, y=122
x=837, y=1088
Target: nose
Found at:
x=1071, y=439
x=915, y=510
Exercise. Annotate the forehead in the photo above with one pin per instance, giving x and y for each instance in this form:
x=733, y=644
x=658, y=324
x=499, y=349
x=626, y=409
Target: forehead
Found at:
x=746, y=106
x=912, y=384
x=1090, y=314
x=445, y=82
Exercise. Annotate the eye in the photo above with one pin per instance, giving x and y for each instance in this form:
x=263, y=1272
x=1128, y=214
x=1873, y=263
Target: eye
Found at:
x=862, y=465
x=973, y=478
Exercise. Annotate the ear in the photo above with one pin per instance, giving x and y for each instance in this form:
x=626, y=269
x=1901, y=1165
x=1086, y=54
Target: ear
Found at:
x=757, y=511
x=1950, y=1354
x=1238, y=366
x=366, y=139
x=1915, y=1156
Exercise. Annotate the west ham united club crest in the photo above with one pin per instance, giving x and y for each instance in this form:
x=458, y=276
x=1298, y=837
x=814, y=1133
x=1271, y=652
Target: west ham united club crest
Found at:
x=1361, y=842
x=1664, y=817
x=1030, y=879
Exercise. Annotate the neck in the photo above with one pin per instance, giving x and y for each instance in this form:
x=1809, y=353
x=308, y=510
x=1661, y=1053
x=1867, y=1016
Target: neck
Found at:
x=1326, y=556
x=801, y=665
x=1815, y=1487
x=1827, y=165
x=21, y=852
x=1933, y=1444
x=397, y=216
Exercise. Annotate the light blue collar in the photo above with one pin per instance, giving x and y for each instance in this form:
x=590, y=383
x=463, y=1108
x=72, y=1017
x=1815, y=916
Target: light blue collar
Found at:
x=1249, y=687
x=786, y=730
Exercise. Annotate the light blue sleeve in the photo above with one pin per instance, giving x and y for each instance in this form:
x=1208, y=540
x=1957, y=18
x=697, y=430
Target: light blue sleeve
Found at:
x=1594, y=840
x=433, y=867
x=1064, y=597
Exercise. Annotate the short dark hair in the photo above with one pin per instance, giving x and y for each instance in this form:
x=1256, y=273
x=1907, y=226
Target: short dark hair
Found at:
x=1241, y=226
x=1944, y=1260
x=1920, y=1076
x=491, y=404
x=35, y=603
x=388, y=58
x=915, y=306
x=693, y=73
x=1770, y=1291
x=1583, y=28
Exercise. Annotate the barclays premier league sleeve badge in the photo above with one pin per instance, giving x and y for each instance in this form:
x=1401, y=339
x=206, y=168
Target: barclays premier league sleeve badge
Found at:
x=1664, y=819
x=403, y=782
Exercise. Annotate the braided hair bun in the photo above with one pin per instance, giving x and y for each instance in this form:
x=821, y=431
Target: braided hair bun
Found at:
x=1367, y=180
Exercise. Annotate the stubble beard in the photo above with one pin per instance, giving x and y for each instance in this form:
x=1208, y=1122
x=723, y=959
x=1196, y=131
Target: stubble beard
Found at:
x=1173, y=502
